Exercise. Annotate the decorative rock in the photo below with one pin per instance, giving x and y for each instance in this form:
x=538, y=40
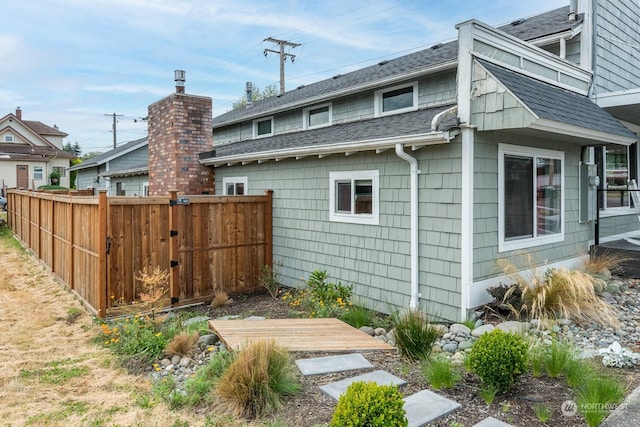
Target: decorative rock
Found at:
x=460, y=339
x=185, y=362
x=450, y=347
x=482, y=330
x=380, y=331
x=165, y=362
x=465, y=345
x=207, y=340
x=175, y=359
x=457, y=357
x=381, y=338
x=441, y=329
x=564, y=322
x=446, y=336
x=479, y=322
x=255, y=318
x=367, y=330
x=459, y=328
x=168, y=368
x=514, y=326
x=194, y=320
x=229, y=317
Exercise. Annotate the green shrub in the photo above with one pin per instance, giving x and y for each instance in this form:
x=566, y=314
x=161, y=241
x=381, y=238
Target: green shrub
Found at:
x=596, y=397
x=256, y=380
x=498, y=358
x=137, y=336
x=557, y=356
x=371, y=405
x=358, y=316
x=321, y=298
x=414, y=335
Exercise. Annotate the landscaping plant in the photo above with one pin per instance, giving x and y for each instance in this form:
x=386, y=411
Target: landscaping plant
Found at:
x=597, y=396
x=498, y=358
x=440, y=373
x=414, y=334
x=358, y=316
x=557, y=356
x=370, y=405
x=321, y=298
x=256, y=381
x=137, y=336
x=182, y=344
x=556, y=293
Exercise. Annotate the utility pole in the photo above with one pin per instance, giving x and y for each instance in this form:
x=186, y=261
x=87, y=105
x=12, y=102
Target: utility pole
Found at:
x=115, y=120
x=283, y=56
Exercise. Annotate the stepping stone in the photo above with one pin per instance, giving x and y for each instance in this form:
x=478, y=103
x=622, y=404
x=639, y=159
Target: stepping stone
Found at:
x=255, y=318
x=491, y=422
x=335, y=389
x=426, y=406
x=324, y=365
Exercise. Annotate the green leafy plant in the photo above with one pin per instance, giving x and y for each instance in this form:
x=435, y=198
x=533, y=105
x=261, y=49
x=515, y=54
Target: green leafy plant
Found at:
x=557, y=356
x=256, y=381
x=488, y=394
x=543, y=413
x=576, y=371
x=321, y=298
x=536, y=359
x=371, y=405
x=597, y=396
x=73, y=313
x=140, y=336
x=358, y=316
x=440, y=373
x=268, y=278
x=498, y=358
x=414, y=334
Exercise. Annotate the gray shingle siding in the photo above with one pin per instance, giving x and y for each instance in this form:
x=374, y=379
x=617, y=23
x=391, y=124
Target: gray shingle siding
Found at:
x=617, y=60
x=133, y=159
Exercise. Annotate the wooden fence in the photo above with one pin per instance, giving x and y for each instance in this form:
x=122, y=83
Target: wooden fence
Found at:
x=97, y=244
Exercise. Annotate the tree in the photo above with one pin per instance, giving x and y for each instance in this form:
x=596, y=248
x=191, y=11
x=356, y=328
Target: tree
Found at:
x=257, y=95
x=73, y=148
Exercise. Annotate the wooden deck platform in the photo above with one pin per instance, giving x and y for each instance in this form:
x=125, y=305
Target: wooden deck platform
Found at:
x=297, y=334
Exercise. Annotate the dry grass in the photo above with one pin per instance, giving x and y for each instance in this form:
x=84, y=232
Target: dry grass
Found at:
x=549, y=294
x=220, y=299
x=604, y=263
x=255, y=382
x=38, y=342
x=182, y=344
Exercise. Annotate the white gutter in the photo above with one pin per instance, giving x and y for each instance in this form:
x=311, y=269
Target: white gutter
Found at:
x=414, y=171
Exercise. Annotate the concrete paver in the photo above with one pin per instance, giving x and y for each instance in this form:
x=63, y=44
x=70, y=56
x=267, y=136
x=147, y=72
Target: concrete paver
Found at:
x=339, y=363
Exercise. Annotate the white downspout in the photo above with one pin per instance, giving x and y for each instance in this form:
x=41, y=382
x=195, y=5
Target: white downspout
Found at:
x=414, y=172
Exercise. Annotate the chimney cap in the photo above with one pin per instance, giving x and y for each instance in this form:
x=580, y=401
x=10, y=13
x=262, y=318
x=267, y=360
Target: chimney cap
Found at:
x=179, y=77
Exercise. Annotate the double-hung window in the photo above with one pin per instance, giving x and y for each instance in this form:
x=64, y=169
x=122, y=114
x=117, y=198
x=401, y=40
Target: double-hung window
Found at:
x=530, y=199
x=397, y=99
x=234, y=186
x=317, y=116
x=263, y=127
x=353, y=197
x=37, y=172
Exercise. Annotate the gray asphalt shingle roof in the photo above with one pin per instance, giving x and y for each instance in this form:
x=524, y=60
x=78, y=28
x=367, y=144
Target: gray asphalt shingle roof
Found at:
x=102, y=158
x=557, y=104
x=551, y=22
x=415, y=122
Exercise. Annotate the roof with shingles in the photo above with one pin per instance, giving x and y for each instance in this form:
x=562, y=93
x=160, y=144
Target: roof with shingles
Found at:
x=412, y=123
x=544, y=24
x=42, y=129
x=557, y=104
x=107, y=155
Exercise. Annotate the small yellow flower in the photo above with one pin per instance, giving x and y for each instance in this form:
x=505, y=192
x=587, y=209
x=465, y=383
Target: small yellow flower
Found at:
x=158, y=334
x=210, y=349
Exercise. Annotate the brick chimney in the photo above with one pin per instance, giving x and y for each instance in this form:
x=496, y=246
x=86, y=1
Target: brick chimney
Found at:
x=18, y=113
x=180, y=127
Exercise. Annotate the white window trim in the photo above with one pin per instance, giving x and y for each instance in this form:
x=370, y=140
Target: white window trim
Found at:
x=40, y=170
x=510, y=245
x=377, y=100
x=9, y=138
x=255, y=127
x=235, y=180
x=305, y=116
x=371, y=219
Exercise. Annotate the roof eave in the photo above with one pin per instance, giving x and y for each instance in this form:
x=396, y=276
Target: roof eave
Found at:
x=415, y=141
x=598, y=137
x=447, y=65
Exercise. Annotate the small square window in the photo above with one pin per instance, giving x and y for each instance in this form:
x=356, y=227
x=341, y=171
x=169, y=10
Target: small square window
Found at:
x=263, y=127
x=8, y=138
x=234, y=186
x=37, y=172
x=396, y=99
x=317, y=116
x=354, y=197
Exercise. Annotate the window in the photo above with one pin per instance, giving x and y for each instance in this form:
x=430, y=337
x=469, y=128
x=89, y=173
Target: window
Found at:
x=263, y=127
x=37, y=172
x=234, y=186
x=61, y=170
x=616, y=176
x=354, y=197
x=530, y=201
x=397, y=99
x=8, y=138
x=317, y=116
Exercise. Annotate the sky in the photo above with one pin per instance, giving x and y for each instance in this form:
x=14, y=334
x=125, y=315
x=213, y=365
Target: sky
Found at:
x=73, y=63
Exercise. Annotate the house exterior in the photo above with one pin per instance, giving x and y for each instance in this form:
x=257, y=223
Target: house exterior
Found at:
x=123, y=171
x=29, y=152
x=411, y=177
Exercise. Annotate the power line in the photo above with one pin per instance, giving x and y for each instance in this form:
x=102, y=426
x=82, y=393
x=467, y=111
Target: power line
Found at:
x=115, y=120
x=283, y=56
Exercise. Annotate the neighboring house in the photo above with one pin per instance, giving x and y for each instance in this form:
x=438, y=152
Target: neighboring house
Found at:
x=411, y=177
x=123, y=171
x=29, y=152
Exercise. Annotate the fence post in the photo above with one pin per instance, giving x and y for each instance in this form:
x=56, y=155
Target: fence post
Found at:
x=72, y=282
x=268, y=228
x=102, y=254
x=174, y=277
